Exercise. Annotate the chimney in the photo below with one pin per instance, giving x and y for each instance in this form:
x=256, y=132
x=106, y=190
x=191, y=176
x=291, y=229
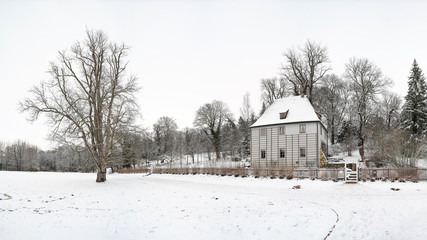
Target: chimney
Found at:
x=302, y=95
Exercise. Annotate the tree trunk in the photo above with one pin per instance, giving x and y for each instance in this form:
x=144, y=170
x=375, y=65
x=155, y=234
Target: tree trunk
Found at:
x=209, y=154
x=217, y=152
x=101, y=176
x=333, y=131
x=361, y=143
x=218, y=155
x=362, y=153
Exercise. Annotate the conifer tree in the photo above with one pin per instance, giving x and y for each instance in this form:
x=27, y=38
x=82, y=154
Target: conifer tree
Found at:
x=414, y=113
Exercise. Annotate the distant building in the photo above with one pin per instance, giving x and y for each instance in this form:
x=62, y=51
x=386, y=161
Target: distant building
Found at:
x=289, y=133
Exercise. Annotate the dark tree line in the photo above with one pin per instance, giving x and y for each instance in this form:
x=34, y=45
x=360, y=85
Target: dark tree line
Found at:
x=22, y=156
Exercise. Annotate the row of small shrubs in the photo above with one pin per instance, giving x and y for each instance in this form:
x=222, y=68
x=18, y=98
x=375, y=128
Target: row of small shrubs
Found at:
x=396, y=179
x=210, y=171
x=134, y=170
x=236, y=172
x=272, y=173
x=392, y=174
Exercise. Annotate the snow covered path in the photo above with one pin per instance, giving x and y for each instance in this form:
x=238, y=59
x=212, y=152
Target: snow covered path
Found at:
x=73, y=206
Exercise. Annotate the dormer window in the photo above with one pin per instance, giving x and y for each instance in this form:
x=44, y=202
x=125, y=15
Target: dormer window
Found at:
x=283, y=115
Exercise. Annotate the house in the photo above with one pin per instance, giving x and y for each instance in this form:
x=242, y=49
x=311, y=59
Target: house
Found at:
x=290, y=134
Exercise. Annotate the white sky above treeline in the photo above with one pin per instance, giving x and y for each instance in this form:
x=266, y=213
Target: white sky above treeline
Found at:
x=188, y=53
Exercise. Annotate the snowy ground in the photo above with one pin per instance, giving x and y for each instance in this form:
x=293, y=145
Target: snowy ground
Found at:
x=73, y=206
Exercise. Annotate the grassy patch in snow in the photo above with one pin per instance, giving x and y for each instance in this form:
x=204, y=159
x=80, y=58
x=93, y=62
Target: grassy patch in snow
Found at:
x=5, y=196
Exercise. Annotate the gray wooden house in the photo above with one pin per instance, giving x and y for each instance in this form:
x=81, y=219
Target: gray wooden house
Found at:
x=290, y=134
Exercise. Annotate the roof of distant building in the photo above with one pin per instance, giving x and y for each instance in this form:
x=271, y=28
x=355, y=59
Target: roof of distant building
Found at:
x=295, y=108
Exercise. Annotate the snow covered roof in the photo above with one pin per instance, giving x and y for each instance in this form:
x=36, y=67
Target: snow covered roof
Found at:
x=300, y=110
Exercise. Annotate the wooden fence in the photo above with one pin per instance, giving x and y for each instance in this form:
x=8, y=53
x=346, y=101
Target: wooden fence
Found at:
x=322, y=173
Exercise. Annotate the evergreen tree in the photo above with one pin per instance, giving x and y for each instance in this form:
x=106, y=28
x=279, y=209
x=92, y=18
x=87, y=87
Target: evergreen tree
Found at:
x=263, y=108
x=244, y=127
x=347, y=137
x=414, y=113
x=245, y=143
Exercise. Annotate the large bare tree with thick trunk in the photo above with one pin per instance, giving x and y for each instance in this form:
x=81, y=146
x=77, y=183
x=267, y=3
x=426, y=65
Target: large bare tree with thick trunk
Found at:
x=89, y=99
x=366, y=83
x=305, y=66
x=211, y=118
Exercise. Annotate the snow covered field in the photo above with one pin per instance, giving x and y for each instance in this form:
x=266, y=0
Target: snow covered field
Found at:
x=72, y=206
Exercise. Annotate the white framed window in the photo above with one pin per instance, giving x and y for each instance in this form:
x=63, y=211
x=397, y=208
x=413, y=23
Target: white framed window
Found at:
x=263, y=132
x=282, y=130
x=263, y=154
x=302, y=152
x=302, y=128
x=321, y=130
x=282, y=153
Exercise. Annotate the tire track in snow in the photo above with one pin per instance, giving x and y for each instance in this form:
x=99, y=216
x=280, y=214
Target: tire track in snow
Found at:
x=338, y=218
x=333, y=227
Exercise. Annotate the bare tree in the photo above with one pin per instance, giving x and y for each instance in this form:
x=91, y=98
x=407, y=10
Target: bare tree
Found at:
x=244, y=123
x=366, y=81
x=272, y=89
x=402, y=150
x=192, y=142
x=149, y=148
x=303, y=68
x=179, y=145
x=391, y=106
x=246, y=110
x=211, y=118
x=30, y=160
x=89, y=98
x=165, y=130
x=332, y=101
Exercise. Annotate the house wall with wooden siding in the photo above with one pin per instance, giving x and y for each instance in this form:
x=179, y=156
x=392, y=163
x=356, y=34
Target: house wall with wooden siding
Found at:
x=272, y=141
x=255, y=141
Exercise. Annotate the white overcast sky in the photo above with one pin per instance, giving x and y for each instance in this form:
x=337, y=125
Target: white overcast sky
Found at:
x=188, y=53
